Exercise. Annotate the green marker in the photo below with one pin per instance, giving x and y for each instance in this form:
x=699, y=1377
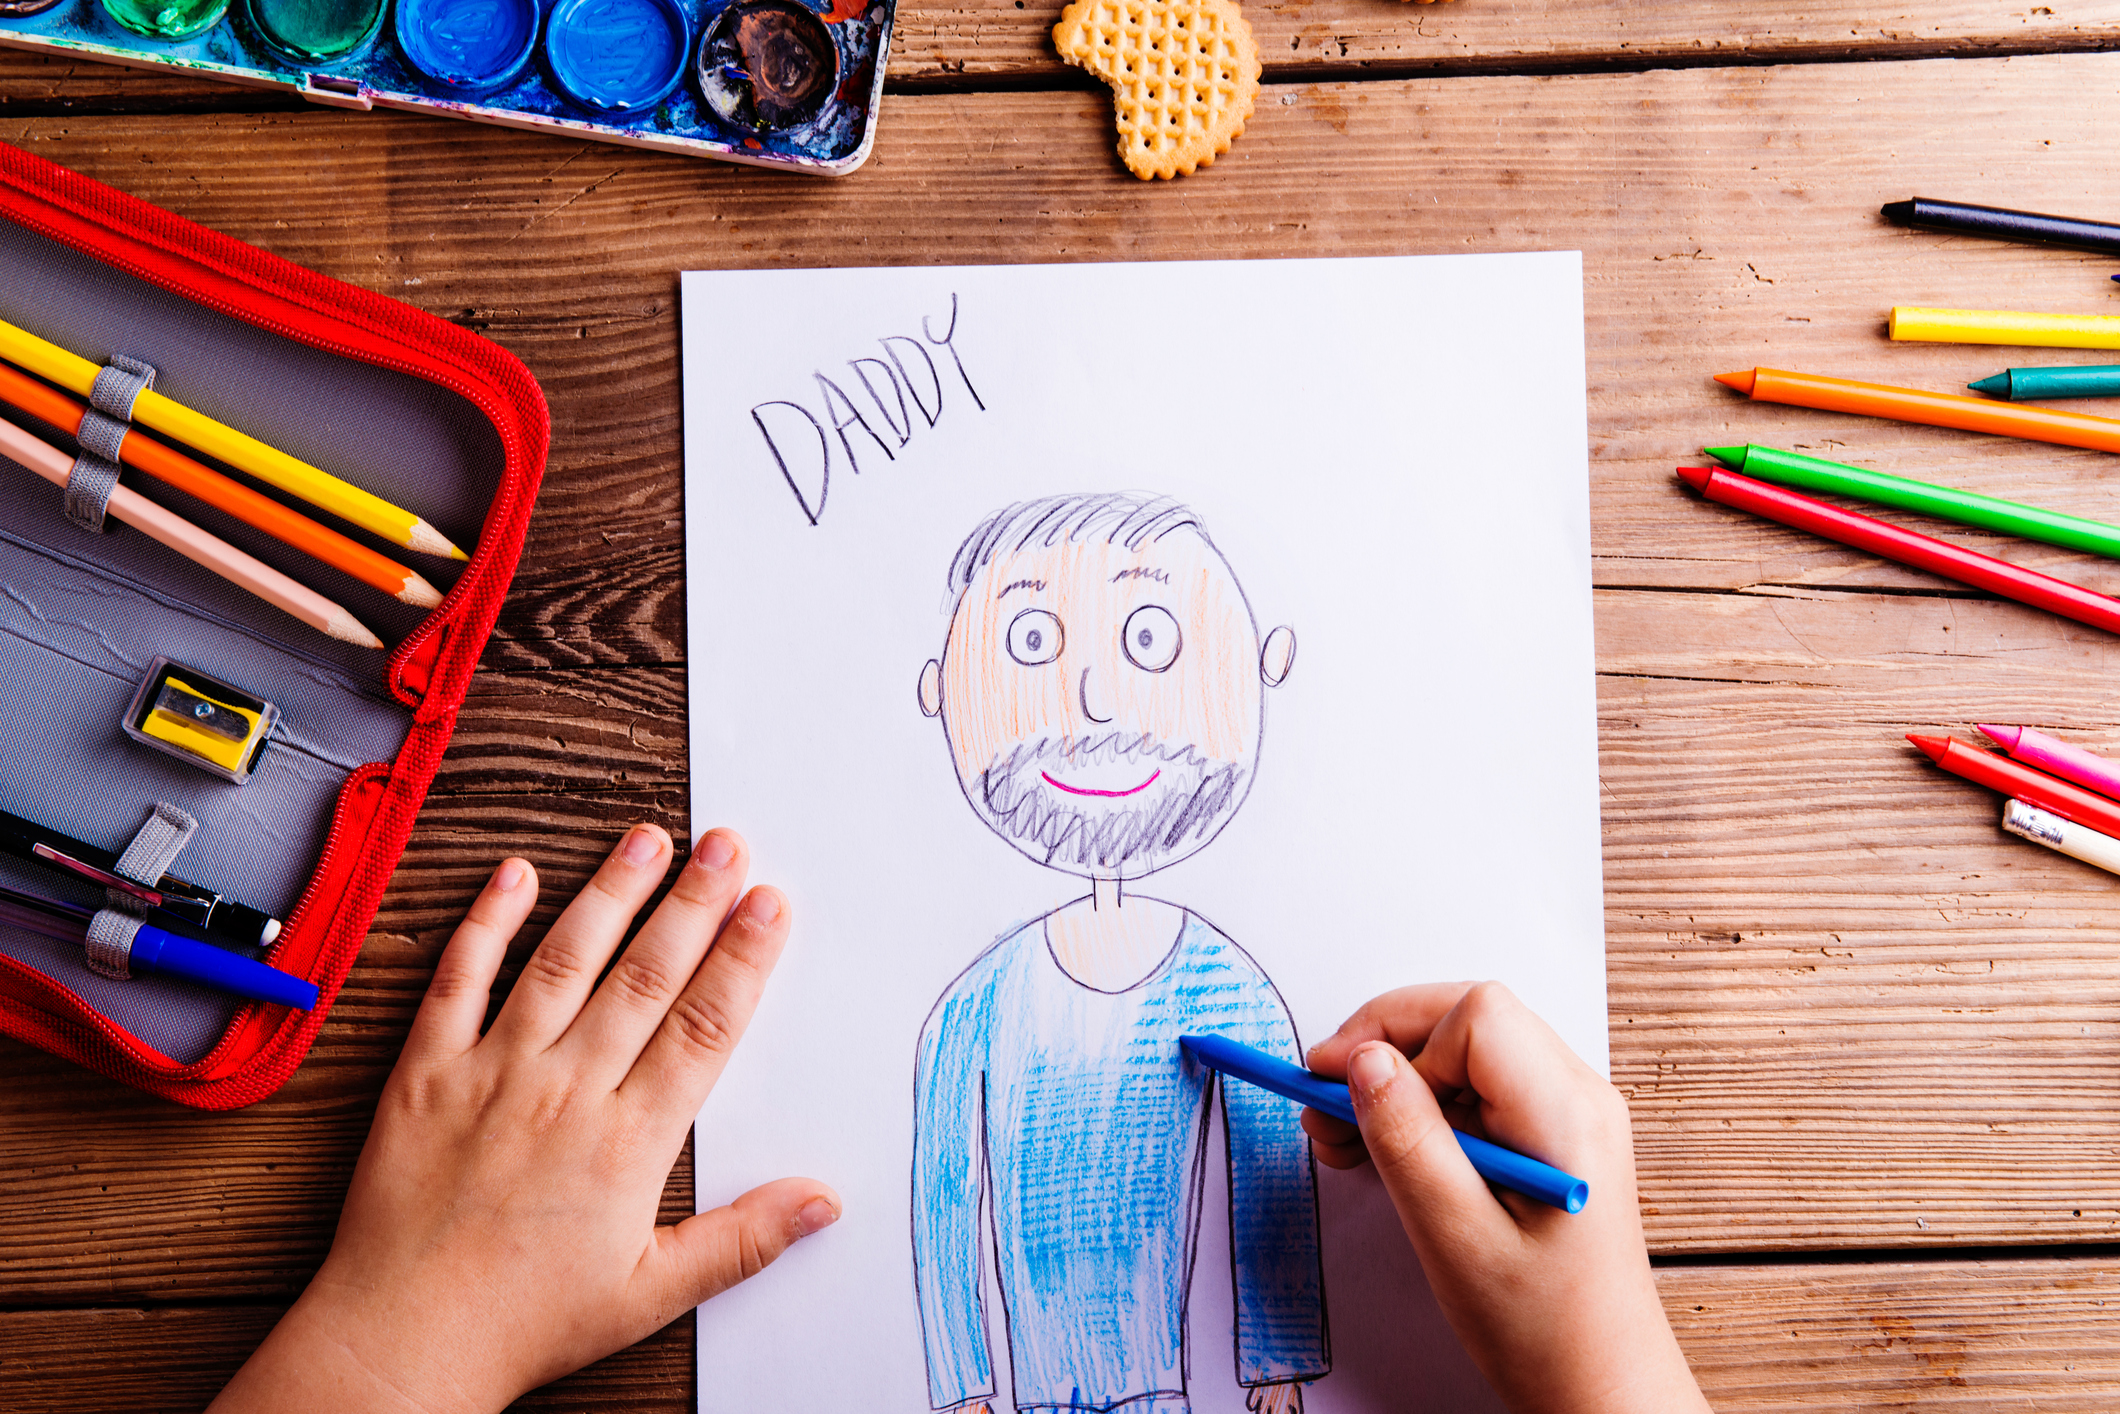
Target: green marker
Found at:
x=2098, y=380
x=1965, y=507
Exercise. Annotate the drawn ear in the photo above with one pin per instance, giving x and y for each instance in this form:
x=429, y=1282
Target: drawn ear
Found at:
x=931, y=688
x=1277, y=656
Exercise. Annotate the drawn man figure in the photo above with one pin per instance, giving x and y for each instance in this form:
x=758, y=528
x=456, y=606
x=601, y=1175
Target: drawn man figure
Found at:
x=1101, y=692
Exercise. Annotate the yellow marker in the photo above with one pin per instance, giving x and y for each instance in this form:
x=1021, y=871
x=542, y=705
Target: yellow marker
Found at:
x=2004, y=326
x=319, y=488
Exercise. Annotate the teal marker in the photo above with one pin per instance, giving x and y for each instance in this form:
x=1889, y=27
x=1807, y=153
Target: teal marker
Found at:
x=1944, y=502
x=2097, y=380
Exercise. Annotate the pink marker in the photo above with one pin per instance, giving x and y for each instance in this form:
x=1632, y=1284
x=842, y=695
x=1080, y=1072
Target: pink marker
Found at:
x=2051, y=753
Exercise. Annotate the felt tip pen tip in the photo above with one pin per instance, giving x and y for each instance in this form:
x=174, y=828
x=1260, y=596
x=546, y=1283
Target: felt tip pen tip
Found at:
x=1742, y=382
x=1731, y=457
x=1933, y=747
x=1994, y=386
x=1897, y=212
x=1696, y=476
x=2004, y=737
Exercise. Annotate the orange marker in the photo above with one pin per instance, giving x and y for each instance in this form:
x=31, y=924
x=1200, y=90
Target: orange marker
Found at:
x=2036, y=424
x=264, y=513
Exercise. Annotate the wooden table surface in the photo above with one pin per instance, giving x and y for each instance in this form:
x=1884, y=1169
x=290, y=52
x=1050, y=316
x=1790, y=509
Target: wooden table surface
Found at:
x=1872, y=1044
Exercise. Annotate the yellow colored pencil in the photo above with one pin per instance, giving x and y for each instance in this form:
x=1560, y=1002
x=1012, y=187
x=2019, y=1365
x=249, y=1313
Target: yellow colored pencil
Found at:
x=2006, y=326
x=200, y=546
x=245, y=453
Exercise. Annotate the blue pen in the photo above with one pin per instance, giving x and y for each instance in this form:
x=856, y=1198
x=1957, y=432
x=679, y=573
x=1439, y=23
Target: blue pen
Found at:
x=1504, y=1167
x=161, y=951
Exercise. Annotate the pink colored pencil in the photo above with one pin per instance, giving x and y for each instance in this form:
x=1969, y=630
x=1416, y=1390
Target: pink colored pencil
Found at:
x=200, y=546
x=2051, y=753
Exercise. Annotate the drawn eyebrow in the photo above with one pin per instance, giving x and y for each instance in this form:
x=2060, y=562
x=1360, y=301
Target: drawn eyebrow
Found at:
x=1159, y=576
x=1020, y=584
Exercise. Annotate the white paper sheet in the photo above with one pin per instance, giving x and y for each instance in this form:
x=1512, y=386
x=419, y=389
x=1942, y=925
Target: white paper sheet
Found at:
x=1388, y=456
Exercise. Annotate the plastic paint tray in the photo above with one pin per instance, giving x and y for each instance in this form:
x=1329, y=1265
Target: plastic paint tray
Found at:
x=832, y=139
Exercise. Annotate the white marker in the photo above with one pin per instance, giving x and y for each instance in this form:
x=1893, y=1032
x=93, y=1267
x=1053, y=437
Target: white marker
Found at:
x=2041, y=827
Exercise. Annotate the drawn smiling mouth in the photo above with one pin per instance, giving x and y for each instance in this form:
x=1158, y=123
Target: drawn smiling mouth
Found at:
x=1108, y=794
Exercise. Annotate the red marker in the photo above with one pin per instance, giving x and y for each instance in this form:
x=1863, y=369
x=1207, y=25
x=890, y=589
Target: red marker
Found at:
x=2000, y=773
x=1923, y=552
x=2064, y=759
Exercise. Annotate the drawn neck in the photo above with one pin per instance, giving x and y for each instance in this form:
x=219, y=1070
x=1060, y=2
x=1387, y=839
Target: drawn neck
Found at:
x=1108, y=941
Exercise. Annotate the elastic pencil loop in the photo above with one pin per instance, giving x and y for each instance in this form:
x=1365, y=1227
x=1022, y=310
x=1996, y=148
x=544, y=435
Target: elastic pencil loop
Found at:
x=145, y=861
x=119, y=385
x=101, y=434
x=110, y=940
x=88, y=488
x=156, y=846
x=103, y=427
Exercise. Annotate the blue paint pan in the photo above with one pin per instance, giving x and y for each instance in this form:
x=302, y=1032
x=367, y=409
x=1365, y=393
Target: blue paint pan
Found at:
x=468, y=45
x=617, y=56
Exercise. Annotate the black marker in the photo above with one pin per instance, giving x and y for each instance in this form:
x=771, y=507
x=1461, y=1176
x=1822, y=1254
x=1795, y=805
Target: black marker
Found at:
x=2002, y=224
x=202, y=909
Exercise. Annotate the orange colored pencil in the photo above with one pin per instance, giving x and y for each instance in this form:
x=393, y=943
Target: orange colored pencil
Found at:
x=2036, y=424
x=201, y=547
x=281, y=523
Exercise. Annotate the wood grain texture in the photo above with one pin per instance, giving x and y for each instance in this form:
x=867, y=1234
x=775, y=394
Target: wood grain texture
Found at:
x=966, y=43
x=1962, y=1336
x=1946, y=1335
x=174, y=1359
x=1846, y=1010
x=1689, y=192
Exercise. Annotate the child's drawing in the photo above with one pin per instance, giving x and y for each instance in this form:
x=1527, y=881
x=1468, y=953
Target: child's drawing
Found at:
x=1101, y=689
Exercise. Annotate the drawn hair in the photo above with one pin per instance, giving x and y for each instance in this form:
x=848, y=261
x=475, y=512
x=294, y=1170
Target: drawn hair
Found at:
x=1129, y=518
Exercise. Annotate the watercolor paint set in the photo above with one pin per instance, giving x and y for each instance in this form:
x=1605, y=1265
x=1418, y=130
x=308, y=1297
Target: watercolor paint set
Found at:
x=773, y=83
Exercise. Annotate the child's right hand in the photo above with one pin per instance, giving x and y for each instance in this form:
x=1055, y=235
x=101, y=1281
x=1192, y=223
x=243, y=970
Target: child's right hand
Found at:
x=1560, y=1312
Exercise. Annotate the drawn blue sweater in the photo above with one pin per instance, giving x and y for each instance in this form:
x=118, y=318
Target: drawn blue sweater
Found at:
x=1074, y=1114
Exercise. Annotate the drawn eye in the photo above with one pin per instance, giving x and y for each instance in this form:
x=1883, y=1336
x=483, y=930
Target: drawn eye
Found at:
x=1151, y=639
x=1034, y=638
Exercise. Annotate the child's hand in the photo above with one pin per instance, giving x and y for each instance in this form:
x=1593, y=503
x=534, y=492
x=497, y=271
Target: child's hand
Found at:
x=500, y=1230
x=1559, y=1312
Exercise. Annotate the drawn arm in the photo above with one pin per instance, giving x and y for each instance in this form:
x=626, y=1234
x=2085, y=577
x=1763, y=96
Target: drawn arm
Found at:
x=1273, y=1217
x=948, y=1176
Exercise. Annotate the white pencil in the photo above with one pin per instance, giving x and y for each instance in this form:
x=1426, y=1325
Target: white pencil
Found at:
x=194, y=544
x=2064, y=836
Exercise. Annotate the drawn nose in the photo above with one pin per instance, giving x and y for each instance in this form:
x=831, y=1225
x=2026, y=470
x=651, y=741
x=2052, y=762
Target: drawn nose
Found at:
x=1087, y=710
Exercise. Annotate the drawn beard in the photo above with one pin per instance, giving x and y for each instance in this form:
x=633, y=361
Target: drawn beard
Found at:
x=1130, y=836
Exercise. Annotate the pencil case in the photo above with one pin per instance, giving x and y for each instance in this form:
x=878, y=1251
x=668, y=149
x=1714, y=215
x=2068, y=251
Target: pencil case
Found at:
x=307, y=828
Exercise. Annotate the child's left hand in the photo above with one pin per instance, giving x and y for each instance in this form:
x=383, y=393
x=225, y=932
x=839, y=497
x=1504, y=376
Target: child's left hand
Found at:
x=500, y=1230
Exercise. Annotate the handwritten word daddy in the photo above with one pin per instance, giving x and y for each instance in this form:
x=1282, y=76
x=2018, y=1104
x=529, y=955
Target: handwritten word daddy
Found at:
x=905, y=380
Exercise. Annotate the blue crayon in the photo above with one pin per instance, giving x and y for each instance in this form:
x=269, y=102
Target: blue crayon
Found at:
x=1503, y=1167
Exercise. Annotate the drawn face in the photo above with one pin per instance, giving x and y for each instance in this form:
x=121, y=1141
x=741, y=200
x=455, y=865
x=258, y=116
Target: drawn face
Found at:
x=1103, y=704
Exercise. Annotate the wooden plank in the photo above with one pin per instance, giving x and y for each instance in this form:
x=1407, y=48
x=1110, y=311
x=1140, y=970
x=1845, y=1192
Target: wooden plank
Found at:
x=1968, y=1337
x=963, y=43
x=1714, y=237
x=1956, y=1335
x=1719, y=1020
x=174, y=1359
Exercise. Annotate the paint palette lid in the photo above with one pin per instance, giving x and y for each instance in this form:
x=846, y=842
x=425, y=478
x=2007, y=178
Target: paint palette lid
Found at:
x=617, y=56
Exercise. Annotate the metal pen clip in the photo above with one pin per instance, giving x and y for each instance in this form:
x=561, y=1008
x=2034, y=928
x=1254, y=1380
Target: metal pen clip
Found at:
x=195, y=911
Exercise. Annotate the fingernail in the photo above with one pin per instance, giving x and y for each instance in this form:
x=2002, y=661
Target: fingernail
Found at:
x=1371, y=1070
x=640, y=847
x=763, y=905
x=713, y=852
x=511, y=876
x=816, y=1216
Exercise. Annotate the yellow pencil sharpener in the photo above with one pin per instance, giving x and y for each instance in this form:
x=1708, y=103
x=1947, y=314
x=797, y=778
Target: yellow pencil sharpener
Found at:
x=196, y=717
